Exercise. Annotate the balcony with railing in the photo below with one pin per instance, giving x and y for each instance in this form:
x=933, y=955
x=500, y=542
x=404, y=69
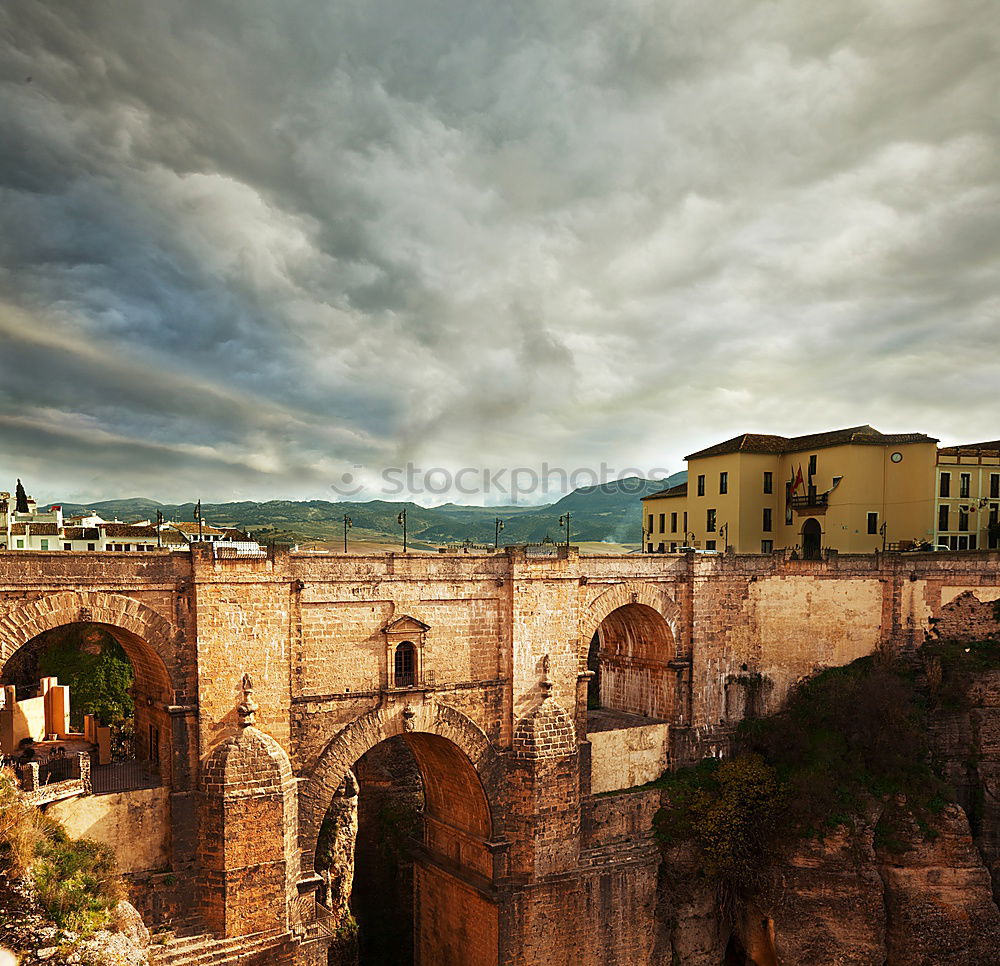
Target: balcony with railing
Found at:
x=811, y=501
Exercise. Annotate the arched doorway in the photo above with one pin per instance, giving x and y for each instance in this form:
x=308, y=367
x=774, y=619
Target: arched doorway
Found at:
x=404, y=851
x=812, y=539
x=630, y=656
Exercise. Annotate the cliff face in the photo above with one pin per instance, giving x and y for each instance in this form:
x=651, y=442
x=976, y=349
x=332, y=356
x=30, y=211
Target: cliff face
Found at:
x=844, y=901
x=883, y=892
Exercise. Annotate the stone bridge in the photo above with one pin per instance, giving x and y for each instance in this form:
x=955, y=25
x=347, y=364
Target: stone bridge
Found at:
x=483, y=665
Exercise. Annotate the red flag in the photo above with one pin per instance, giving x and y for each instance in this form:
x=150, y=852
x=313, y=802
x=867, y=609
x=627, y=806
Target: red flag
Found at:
x=798, y=480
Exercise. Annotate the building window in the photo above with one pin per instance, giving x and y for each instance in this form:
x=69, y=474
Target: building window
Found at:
x=701, y=485
x=661, y=547
x=964, y=485
x=673, y=547
x=723, y=482
x=709, y=544
x=90, y=546
x=649, y=548
x=788, y=504
x=963, y=519
x=994, y=537
x=20, y=544
x=685, y=525
x=943, y=517
x=972, y=541
x=710, y=521
x=945, y=488
x=649, y=526
x=767, y=546
x=873, y=523
x=812, y=467
x=673, y=522
x=405, y=664
x=767, y=520
x=768, y=481
x=45, y=544
x=67, y=546
x=663, y=522
x=994, y=485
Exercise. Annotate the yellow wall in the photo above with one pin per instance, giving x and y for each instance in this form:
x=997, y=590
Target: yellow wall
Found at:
x=901, y=493
x=980, y=503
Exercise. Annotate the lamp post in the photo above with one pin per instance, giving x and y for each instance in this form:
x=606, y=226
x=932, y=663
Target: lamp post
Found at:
x=496, y=536
x=642, y=539
x=564, y=522
x=197, y=510
x=883, y=530
x=348, y=523
x=689, y=538
x=401, y=520
x=159, y=525
x=724, y=534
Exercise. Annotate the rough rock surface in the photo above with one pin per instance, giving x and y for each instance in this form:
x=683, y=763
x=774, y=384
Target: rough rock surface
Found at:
x=939, y=900
x=824, y=904
x=35, y=939
x=840, y=901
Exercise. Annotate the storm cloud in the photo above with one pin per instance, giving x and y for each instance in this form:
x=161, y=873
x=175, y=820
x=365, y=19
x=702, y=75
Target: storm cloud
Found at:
x=247, y=246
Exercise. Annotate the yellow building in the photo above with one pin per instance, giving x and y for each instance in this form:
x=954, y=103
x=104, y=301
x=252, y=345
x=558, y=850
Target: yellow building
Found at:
x=854, y=490
x=968, y=496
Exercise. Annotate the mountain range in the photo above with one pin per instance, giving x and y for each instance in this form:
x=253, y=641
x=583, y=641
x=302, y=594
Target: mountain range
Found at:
x=607, y=513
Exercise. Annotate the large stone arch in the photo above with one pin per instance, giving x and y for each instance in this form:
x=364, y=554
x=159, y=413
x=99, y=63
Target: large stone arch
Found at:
x=366, y=732
x=147, y=637
x=627, y=592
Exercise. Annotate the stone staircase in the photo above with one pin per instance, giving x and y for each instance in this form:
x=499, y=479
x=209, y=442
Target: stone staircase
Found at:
x=190, y=945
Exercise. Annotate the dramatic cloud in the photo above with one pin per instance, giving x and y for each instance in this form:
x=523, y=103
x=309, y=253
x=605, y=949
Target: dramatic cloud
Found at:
x=246, y=248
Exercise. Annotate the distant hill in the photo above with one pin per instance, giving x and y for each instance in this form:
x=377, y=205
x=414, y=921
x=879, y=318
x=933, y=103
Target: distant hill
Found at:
x=610, y=512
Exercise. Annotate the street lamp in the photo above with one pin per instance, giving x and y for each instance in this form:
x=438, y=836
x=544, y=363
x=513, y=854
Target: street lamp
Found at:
x=401, y=520
x=564, y=522
x=496, y=536
x=724, y=534
x=348, y=524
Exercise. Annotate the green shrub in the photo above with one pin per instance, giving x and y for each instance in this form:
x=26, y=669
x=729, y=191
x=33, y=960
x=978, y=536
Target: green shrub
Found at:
x=76, y=881
x=848, y=738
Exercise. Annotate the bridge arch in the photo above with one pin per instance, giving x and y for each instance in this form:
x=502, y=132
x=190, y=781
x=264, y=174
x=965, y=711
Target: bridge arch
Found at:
x=146, y=636
x=466, y=746
x=620, y=595
x=630, y=633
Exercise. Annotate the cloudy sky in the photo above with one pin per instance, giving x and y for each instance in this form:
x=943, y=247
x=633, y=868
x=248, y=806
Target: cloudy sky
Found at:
x=249, y=247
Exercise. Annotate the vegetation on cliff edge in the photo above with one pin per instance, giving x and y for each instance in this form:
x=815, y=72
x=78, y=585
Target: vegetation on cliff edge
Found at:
x=75, y=881
x=848, y=739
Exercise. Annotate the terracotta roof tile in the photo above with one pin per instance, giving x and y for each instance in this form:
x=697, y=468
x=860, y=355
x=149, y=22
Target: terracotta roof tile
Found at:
x=679, y=490
x=853, y=435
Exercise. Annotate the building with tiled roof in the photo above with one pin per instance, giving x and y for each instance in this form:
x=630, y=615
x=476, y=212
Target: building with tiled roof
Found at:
x=24, y=527
x=855, y=490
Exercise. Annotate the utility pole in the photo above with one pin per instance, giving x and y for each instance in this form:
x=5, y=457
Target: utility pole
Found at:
x=496, y=537
x=159, y=524
x=564, y=522
x=348, y=523
x=198, y=512
x=401, y=520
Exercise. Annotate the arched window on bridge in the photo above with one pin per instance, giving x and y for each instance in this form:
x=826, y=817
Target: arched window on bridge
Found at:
x=405, y=665
x=404, y=653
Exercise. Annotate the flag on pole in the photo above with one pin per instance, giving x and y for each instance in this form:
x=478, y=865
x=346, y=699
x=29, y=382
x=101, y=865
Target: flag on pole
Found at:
x=797, y=481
